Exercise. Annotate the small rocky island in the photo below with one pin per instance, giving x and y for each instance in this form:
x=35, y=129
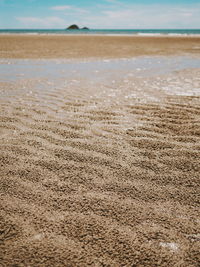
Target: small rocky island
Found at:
x=76, y=27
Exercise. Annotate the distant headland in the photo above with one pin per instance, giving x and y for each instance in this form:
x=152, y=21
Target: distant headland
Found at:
x=76, y=27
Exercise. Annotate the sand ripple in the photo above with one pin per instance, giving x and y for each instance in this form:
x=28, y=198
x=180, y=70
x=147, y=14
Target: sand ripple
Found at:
x=92, y=178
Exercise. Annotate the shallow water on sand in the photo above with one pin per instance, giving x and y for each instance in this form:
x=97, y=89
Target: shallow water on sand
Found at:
x=12, y=70
x=115, y=78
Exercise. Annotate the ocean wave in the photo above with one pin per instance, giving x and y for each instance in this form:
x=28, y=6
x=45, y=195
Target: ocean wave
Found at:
x=142, y=32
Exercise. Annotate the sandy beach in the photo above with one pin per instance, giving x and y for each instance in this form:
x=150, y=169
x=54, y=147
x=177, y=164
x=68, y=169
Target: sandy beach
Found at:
x=81, y=46
x=100, y=140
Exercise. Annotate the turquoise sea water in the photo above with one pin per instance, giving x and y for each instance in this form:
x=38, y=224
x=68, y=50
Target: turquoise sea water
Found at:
x=105, y=31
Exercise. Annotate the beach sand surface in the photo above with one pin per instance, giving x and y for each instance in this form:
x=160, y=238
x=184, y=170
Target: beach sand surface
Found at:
x=81, y=46
x=98, y=168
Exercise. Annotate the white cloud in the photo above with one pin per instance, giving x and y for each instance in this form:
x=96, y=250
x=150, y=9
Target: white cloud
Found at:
x=187, y=14
x=61, y=8
x=113, y=1
x=69, y=8
x=146, y=16
x=41, y=22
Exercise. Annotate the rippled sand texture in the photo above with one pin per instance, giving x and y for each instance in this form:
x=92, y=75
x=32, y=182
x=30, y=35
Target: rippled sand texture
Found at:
x=96, y=174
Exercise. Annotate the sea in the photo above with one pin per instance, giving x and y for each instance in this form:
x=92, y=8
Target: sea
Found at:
x=142, y=32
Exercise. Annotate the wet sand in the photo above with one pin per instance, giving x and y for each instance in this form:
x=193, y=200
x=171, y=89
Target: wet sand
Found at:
x=99, y=167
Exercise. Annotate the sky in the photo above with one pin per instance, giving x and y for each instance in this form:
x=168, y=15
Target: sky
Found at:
x=102, y=14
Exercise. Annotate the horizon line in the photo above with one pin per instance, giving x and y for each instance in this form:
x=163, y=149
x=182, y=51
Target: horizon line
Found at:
x=101, y=29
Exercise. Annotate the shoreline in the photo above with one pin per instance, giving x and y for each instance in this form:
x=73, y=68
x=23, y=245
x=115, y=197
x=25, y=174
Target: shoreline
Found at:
x=95, y=46
x=104, y=34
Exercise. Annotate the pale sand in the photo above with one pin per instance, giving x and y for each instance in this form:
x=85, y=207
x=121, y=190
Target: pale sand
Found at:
x=99, y=173
x=27, y=46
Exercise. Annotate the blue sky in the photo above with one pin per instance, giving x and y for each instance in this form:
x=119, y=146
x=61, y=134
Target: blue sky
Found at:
x=113, y=14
